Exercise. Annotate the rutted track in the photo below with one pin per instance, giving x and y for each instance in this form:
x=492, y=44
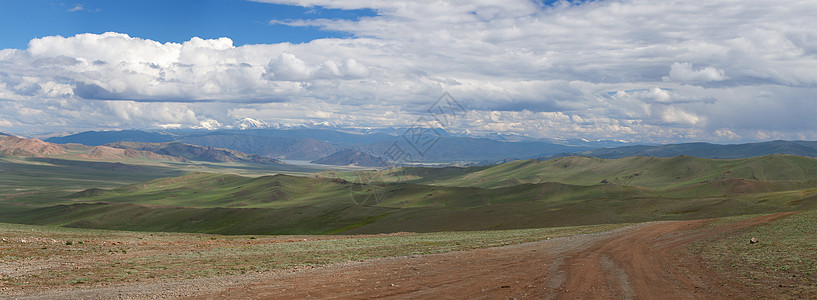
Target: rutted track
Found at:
x=639, y=262
x=644, y=261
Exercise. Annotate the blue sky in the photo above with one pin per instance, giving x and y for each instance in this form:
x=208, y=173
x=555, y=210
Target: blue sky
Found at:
x=723, y=71
x=244, y=22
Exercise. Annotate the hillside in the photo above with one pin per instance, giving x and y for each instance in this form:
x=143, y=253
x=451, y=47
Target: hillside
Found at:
x=194, y=152
x=703, y=150
x=15, y=146
x=22, y=147
x=105, y=152
x=352, y=158
x=522, y=194
x=651, y=172
x=465, y=149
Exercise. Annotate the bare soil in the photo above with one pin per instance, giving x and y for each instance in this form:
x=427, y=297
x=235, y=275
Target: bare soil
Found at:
x=644, y=261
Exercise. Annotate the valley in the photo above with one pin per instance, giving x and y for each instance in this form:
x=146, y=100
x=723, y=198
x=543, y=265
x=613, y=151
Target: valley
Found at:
x=447, y=149
x=140, y=211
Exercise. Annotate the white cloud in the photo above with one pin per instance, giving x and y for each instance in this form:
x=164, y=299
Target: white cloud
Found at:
x=288, y=67
x=674, y=115
x=593, y=69
x=77, y=7
x=683, y=72
x=726, y=133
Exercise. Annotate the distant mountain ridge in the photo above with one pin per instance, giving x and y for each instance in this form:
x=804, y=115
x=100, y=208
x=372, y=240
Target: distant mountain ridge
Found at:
x=702, y=150
x=98, y=138
x=353, y=158
x=315, y=144
x=16, y=146
x=269, y=146
x=195, y=152
x=22, y=147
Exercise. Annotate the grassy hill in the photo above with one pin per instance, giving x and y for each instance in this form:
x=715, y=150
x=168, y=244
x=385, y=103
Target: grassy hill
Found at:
x=704, y=150
x=650, y=172
x=522, y=194
x=411, y=208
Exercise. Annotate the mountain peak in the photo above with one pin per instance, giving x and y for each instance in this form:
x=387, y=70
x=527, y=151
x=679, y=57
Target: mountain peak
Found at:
x=351, y=157
x=17, y=146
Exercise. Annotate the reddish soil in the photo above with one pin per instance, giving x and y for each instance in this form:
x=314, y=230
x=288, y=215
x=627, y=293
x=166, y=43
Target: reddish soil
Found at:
x=642, y=262
x=15, y=146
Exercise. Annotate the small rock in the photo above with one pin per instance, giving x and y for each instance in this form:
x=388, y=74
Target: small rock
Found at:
x=505, y=287
x=753, y=240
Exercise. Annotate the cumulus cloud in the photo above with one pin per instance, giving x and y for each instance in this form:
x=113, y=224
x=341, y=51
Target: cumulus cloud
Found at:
x=640, y=70
x=675, y=115
x=683, y=72
x=288, y=67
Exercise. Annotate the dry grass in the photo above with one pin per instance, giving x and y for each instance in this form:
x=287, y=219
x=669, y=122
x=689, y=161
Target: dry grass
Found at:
x=784, y=262
x=36, y=256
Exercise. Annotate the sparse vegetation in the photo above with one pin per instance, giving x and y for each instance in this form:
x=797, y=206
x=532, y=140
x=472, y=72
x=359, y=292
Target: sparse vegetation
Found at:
x=116, y=256
x=783, y=260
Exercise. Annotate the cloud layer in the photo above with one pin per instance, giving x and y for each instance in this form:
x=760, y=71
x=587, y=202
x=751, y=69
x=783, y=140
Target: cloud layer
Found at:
x=646, y=71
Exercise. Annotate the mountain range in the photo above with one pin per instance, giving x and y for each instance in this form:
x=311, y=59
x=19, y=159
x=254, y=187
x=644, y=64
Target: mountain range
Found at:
x=315, y=144
x=702, y=150
x=195, y=152
x=112, y=186
x=22, y=147
x=353, y=158
x=127, y=151
x=332, y=146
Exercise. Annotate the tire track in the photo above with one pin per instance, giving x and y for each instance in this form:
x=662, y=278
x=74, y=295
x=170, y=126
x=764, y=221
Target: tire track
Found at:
x=643, y=261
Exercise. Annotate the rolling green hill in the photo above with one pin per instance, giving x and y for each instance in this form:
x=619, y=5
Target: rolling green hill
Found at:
x=522, y=194
x=703, y=150
x=650, y=172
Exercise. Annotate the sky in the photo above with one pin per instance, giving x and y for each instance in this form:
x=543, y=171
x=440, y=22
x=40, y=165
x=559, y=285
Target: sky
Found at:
x=723, y=71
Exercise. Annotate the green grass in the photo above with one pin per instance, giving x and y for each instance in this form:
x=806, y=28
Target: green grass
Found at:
x=515, y=195
x=283, y=204
x=648, y=172
x=783, y=262
x=43, y=181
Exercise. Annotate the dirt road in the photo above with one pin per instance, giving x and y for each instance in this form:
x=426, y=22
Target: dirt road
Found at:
x=640, y=262
x=645, y=261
